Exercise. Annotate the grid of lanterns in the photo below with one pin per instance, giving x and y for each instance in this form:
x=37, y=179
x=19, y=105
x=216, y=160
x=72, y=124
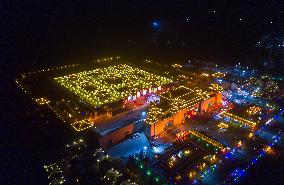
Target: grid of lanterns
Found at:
x=110, y=84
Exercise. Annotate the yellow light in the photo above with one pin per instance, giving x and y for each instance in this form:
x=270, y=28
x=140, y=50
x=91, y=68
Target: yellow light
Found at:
x=42, y=101
x=205, y=74
x=207, y=139
x=222, y=125
x=268, y=148
x=176, y=65
x=250, y=135
x=241, y=120
x=129, y=80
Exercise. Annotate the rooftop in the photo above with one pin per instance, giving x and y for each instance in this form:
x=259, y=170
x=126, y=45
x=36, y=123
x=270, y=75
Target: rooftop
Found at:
x=116, y=122
x=175, y=100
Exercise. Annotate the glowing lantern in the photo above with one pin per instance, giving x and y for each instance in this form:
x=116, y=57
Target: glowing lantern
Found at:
x=239, y=144
x=250, y=135
x=268, y=148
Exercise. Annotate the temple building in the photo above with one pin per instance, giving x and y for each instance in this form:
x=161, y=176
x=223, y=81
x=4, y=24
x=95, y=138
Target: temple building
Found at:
x=177, y=104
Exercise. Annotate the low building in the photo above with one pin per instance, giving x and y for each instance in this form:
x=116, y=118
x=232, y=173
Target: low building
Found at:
x=115, y=136
x=116, y=129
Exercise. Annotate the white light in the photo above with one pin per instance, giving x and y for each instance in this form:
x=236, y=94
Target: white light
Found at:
x=155, y=89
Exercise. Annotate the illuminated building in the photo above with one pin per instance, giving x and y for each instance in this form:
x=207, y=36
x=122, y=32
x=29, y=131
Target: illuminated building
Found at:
x=174, y=107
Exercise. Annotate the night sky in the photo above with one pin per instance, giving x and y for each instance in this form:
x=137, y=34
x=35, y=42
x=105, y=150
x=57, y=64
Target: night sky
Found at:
x=49, y=32
x=40, y=33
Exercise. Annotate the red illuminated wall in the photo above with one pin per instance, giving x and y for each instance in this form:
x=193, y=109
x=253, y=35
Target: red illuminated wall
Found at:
x=214, y=100
x=219, y=98
x=157, y=128
x=178, y=118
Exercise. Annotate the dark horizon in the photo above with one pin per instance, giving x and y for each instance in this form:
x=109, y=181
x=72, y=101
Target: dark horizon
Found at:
x=44, y=33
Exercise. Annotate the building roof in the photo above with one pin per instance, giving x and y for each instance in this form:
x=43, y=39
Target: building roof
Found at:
x=118, y=121
x=175, y=100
